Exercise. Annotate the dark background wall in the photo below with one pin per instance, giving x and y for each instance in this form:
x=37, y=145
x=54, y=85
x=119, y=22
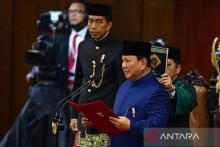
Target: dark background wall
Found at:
x=188, y=24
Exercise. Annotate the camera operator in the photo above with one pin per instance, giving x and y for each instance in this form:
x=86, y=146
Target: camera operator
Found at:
x=77, y=17
x=53, y=82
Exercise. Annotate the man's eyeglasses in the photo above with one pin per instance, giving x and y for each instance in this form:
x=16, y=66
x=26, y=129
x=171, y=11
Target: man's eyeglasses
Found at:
x=75, y=11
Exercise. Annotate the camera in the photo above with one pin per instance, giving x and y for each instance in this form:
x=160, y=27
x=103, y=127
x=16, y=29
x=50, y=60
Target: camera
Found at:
x=44, y=52
x=52, y=21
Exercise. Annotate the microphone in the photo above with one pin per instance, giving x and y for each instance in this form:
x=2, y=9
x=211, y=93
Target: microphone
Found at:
x=57, y=122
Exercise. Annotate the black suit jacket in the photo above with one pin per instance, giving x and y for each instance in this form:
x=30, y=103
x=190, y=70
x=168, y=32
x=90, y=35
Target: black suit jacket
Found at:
x=62, y=50
x=113, y=74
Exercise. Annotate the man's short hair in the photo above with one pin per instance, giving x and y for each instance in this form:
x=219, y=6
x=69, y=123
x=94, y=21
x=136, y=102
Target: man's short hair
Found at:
x=148, y=60
x=83, y=2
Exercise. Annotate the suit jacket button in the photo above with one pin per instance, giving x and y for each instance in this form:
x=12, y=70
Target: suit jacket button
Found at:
x=97, y=47
x=89, y=90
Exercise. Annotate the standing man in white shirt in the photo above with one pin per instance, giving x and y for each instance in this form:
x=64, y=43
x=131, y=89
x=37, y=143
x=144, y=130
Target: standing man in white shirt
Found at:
x=77, y=15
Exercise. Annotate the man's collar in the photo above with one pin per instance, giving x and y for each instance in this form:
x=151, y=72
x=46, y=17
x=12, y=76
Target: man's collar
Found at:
x=103, y=37
x=82, y=32
x=102, y=41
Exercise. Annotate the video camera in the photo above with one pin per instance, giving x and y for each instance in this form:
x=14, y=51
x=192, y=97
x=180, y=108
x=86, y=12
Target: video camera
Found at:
x=52, y=21
x=44, y=50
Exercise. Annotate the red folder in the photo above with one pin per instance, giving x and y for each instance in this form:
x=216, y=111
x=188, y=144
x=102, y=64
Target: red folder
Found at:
x=99, y=114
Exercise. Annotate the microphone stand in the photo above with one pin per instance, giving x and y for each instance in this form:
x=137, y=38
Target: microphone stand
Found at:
x=57, y=124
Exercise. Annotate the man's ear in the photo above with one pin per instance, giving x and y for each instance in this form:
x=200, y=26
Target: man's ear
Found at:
x=109, y=25
x=143, y=63
x=178, y=68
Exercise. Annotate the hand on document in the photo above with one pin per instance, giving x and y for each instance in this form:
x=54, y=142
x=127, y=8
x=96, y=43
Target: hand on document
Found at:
x=122, y=123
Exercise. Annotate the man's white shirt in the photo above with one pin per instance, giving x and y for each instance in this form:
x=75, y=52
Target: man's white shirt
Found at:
x=81, y=36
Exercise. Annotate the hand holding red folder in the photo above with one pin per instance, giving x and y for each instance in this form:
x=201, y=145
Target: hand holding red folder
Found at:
x=99, y=114
x=86, y=123
x=122, y=123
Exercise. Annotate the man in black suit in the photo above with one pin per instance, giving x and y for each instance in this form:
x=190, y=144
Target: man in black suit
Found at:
x=99, y=58
x=77, y=16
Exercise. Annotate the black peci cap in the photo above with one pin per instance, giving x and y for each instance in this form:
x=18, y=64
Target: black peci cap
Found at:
x=136, y=48
x=175, y=54
x=100, y=10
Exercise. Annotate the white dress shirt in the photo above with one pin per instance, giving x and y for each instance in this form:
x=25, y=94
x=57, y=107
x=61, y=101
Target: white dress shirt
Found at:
x=81, y=36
